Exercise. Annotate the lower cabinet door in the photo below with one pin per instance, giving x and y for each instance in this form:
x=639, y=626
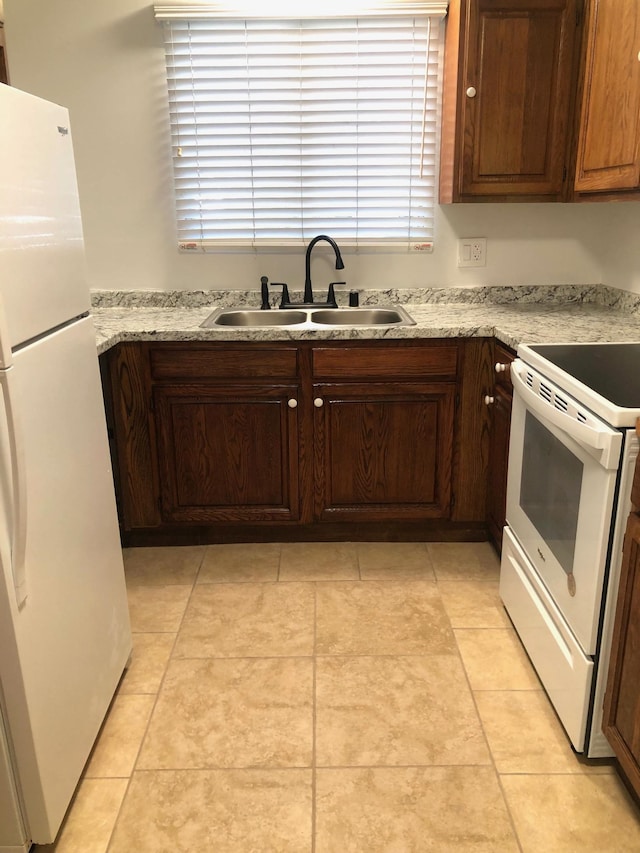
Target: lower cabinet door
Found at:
x=227, y=453
x=383, y=451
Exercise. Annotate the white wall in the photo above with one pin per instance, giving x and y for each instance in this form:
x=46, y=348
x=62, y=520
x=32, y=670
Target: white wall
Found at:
x=617, y=245
x=105, y=61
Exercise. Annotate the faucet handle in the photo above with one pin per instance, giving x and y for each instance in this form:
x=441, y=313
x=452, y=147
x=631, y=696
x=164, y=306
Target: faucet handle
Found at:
x=285, y=301
x=264, y=282
x=331, y=295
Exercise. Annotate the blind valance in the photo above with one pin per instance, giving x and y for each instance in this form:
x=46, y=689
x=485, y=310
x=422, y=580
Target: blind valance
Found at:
x=292, y=9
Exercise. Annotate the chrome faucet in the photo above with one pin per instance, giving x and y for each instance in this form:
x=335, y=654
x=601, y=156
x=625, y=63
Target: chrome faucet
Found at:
x=308, y=290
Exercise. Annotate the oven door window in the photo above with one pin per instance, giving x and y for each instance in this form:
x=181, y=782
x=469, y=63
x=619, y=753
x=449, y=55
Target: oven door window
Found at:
x=550, y=490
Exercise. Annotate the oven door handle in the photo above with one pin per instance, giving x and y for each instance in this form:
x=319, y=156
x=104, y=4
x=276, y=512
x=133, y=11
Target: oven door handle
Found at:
x=589, y=437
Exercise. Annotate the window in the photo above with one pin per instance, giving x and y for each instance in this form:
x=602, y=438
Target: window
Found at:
x=285, y=129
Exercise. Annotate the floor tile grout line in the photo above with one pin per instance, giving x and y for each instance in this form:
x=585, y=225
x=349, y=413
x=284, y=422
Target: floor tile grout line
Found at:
x=427, y=580
x=397, y=579
x=200, y=564
x=314, y=728
x=231, y=768
x=154, y=705
x=423, y=654
x=262, y=768
x=546, y=773
x=285, y=768
x=484, y=734
x=436, y=765
x=486, y=740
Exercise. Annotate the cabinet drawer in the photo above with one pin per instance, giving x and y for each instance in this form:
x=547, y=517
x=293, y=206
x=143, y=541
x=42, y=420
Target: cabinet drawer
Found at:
x=561, y=665
x=206, y=362
x=385, y=361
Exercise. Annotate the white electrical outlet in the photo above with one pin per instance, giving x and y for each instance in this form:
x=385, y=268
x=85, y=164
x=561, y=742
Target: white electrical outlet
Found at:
x=472, y=252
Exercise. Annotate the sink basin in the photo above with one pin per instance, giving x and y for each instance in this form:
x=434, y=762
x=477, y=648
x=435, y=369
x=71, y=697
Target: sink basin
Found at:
x=361, y=317
x=309, y=318
x=253, y=317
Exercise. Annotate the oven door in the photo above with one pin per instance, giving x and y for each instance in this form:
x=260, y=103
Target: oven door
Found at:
x=563, y=464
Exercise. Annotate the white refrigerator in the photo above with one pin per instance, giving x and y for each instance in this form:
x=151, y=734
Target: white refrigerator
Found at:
x=64, y=626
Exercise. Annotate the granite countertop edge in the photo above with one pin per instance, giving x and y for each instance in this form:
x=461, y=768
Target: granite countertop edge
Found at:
x=514, y=315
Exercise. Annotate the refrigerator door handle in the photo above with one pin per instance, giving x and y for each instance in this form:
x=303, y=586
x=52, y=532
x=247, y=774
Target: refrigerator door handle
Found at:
x=19, y=483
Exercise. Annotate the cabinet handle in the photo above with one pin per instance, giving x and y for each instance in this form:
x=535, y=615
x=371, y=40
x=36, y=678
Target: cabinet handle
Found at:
x=318, y=402
x=489, y=400
x=471, y=92
x=502, y=368
x=292, y=403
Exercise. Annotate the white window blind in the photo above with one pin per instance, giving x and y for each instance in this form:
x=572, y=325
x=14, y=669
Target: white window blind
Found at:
x=285, y=129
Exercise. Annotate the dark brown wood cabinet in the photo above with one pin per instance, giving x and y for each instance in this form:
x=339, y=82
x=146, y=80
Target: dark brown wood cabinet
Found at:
x=499, y=403
x=384, y=444
x=227, y=453
x=541, y=101
x=509, y=80
x=622, y=699
x=340, y=439
x=226, y=426
x=203, y=434
x=608, y=150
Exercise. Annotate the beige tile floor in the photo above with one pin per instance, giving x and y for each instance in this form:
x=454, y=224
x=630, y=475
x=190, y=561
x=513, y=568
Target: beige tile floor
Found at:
x=321, y=698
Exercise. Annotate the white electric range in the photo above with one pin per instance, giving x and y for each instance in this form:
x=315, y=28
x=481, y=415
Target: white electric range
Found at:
x=572, y=454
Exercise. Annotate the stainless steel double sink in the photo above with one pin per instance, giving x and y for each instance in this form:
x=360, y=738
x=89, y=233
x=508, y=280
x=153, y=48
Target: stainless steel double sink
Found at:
x=309, y=318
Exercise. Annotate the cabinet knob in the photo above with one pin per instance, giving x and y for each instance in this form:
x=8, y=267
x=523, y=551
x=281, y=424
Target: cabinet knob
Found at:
x=318, y=402
x=502, y=368
x=292, y=403
x=489, y=400
x=471, y=92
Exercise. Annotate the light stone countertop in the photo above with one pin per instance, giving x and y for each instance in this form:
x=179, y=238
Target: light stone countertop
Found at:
x=513, y=315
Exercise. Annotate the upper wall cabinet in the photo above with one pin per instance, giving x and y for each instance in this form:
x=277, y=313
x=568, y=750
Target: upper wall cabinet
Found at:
x=608, y=158
x=541, y=101
x=507, y=101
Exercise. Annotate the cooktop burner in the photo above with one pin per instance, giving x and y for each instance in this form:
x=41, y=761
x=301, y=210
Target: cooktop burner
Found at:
x=601, y=376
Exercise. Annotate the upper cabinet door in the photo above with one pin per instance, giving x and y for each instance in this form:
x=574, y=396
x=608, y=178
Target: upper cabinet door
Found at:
x=514, y=84
x=609, y=139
